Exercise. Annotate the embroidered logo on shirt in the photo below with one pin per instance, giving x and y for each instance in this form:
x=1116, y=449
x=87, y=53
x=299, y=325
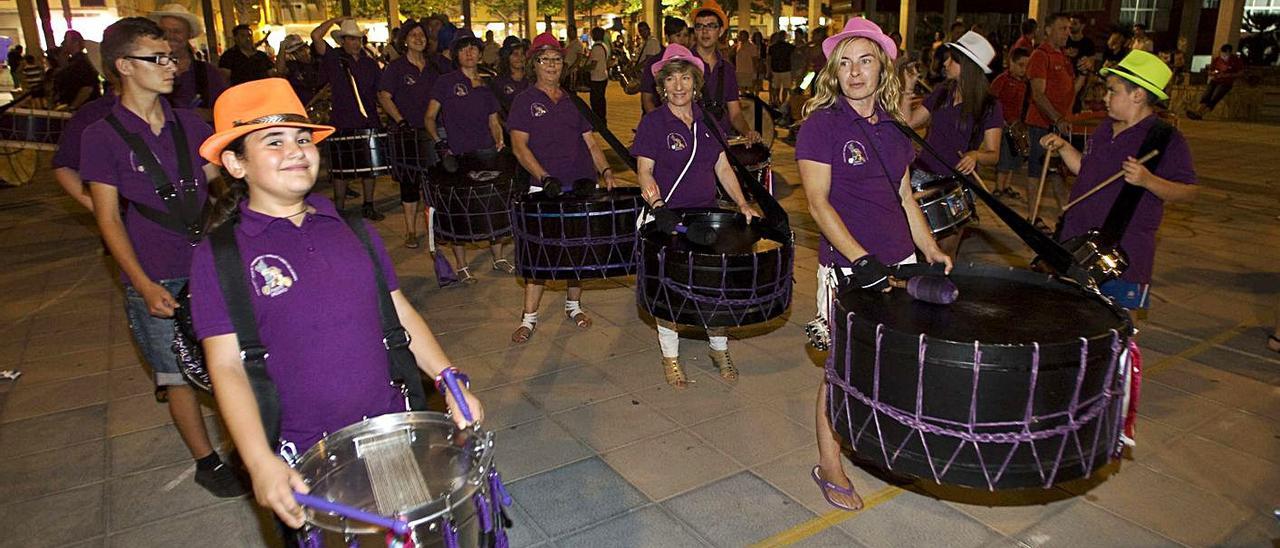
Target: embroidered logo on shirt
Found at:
x=409, y=80
x=508, y=89
x=676, y=142
x=538, y=110
x=272, y=275
x=460, y=90
x=854, y=153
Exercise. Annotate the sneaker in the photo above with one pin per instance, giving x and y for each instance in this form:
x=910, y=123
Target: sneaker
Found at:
x=372, y=214
x=222, y=481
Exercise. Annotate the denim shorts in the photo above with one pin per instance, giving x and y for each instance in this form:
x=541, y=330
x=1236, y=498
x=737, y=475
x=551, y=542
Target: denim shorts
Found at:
x=154, y=336
x=1009, y=161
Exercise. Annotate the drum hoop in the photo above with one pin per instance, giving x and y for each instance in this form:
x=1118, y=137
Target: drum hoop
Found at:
x=945, y=195
x=357, y=135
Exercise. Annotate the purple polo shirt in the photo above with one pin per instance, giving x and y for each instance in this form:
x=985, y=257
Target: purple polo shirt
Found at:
x=185, y=90
x=465, y=110
x=647, y=82
x=722, y=78
x=315, y=300
x=410, y=89
x=867, y=163
x=1106, y=156
x=68, y=154
x=163, y=254
x=346, y=110
x=663, y=138
x=506, y=89
x=555, y=134
x=951, y=132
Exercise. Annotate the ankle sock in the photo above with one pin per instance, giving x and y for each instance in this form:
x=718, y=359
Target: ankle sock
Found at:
x=209, y=462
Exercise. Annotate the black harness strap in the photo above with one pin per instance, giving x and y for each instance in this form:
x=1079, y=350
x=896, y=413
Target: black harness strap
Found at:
x=1126, y=204
x=184, y=212
x=776, y=217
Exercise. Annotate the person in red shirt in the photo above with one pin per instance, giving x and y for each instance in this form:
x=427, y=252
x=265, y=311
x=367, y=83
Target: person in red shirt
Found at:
x=1223, y=71
x=1054, y=83
x=1014, y=93
x=1027, y=40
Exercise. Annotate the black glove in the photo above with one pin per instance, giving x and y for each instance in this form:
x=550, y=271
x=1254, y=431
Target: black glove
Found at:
x=403, y=125
x=666, y=220
x=551, y=186
x=870, y=274
x=584, y=187
x=448, y=161
x=442, y=148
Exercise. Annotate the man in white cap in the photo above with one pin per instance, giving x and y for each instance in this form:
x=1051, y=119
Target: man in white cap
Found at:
x=197, y=84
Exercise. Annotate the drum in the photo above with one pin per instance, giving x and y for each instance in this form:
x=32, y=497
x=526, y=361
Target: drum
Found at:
x=757, y=159
x=411, y=154
x=31, y=129
x=744, y=277
x=576, y=237
x=1018, y=384
x=947, y=205
x=473, y=203
x=416, y=466
x=358, y=153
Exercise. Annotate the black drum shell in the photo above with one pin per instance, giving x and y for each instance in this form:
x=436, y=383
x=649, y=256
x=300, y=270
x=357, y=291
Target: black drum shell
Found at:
x=32, y=128
x=473, y=203
x=552, y=234
x=412, y=154
x=727, y=269
x=1004, y=379
x=359, y=153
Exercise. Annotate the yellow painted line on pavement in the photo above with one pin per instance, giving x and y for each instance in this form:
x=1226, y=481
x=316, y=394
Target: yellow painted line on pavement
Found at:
x=828, y=520
x=1195, y=350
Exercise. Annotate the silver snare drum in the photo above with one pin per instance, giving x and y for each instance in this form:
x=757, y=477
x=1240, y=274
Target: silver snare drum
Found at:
x=947, y=205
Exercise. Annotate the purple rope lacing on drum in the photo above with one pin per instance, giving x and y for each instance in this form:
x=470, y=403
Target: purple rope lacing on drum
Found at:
x=921, y=424
x=523, y=236
x=737, y=308
x=312, y=539
x=483, y=511
x=501, y=499
x=449, y=531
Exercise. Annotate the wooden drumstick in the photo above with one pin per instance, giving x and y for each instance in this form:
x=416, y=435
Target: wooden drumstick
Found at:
x=1109, y=180
x=977, y=177
x=1044, y=174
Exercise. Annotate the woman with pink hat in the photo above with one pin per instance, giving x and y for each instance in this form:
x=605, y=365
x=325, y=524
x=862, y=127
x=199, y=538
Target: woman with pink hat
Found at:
x=854, y=167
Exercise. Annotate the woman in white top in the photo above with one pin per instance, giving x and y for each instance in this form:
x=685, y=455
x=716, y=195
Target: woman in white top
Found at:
x=744, y=62
x=598, y=63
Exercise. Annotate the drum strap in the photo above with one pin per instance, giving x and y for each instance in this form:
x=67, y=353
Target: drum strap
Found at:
x=774, y=213
x=355, y=88
x=693, y=152
x=1126, y=204
x=603, y=129
x=184, y=213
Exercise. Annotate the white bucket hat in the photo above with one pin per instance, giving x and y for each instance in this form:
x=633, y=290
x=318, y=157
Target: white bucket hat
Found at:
x=976, y=48
x=349, y=27
x=180, y=11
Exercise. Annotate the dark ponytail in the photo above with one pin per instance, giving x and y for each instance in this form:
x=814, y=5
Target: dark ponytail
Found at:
x=226, y=205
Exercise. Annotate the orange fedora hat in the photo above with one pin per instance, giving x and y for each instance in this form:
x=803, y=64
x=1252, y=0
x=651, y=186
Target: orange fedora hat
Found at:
x=252, y=106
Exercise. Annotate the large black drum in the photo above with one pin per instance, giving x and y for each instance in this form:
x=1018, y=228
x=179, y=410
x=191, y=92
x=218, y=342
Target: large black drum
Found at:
x=358, y=153
x=473, y=203
x=744, y=277
x=576, y=237
x=1018, y=384
x=32, y=129
x=412, y=154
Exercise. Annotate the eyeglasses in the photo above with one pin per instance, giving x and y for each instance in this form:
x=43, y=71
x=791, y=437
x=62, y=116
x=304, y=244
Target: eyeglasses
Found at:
x=550, y=60
x=162, y=60
x=709, y=26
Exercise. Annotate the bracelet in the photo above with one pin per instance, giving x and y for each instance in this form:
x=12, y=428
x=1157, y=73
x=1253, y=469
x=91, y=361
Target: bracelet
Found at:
x=605, y=170
x=655, y=203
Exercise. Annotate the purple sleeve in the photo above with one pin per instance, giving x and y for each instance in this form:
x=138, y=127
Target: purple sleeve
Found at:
x=95, y=166
x=68, y=154
x=208, y=309
x=995, y=116
x=730, y=82
x=584, y=123
x=217, y=84
x=518, y=118
x=384, y=260
x=1176, y=165
x=647, y=82
x=387, y=80
x=935, y=99
x=490, y=100
x=647, y=139
x=814, y=143
x=439, y=90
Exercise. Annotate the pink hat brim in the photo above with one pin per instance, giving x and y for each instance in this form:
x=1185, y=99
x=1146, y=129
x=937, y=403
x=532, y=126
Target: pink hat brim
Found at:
x=879, y=37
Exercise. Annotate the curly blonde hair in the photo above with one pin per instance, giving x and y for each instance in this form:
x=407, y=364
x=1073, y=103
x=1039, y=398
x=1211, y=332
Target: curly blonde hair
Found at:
x=888, y=92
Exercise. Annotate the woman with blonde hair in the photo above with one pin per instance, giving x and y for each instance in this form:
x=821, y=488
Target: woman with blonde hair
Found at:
x=854, y=168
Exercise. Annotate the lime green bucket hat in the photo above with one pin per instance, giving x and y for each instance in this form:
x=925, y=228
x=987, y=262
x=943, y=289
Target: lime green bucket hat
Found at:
x=1144, y=69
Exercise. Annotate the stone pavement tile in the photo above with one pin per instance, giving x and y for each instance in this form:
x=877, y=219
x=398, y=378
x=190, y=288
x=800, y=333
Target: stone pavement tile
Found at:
x=1176, y=408
x=764, y=376
x=648, y=526
x=60, y=344
x=797, y=406
x=1016, y=511
x=1244, y=365
x=1253, y=341
x=54, y=520
x=753, y=435
x=518, y=362
x=586, y=492
x=507, y=406
x=536, y=447
x=131, y=381
x=1188, y=321
x=86, y=320
x=1242, y=478
x=602, y=343
x=670, y=464
x=1153, y=437
x=611, y=423
x=569, y=388
x=915, y=520
x=136, y=413
x=742, y=509
x=523, y=530
x=1256, y=435
x=1164, y=340
x=1223, y=387
x=51, y=397
x=446, y=320
x=1088, y=525
x=634, y=371
x=52, y=431
x=55, y=368
x=705, y=398
x=125, y=356
x=48, y=472
x=155, y=494
x=1258, y=531
x=1185, y=513
x=231, y=524
x=790, y=474
x=154, y=447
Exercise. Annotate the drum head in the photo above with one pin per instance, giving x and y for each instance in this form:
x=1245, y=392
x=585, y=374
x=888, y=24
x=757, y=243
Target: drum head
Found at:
x=733, y=236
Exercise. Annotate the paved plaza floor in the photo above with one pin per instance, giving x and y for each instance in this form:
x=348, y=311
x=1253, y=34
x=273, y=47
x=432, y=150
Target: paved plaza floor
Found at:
x=598, y=451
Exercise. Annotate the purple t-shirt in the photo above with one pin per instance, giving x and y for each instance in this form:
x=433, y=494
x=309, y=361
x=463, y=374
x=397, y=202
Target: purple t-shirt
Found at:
x=163, y=254
x=555, y=134
x=410, y=89
x=506, y=89
x=68, y=154
x=951, y=132
x=315, y=300
x=867, y=163
x=185, y=90
x=465, y=110
x=665, y=139
x=1106, y=155
x=346, y=113
x=724, y=80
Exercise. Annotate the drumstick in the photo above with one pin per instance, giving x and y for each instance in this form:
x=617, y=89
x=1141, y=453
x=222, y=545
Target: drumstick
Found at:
x=976, y=176
x=1044, y=174
x=1109, y=180
x=399, y=526
x=930, y=289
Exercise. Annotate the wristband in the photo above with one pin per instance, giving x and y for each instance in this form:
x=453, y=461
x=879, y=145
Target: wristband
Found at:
x=605, y=170
x=439, y=380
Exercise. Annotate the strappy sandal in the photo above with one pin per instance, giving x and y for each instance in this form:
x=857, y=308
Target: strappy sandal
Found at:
x=674, y=373
x=464, y=276
x=573, y=311
x=724, y=364
x=528, y=323
x=1273, y=343
x=828, y=487
x=503, y=265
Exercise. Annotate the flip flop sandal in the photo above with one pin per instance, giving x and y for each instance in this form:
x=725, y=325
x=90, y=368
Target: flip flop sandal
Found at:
x=674, y=373
x=827, y=487
x=465, y=276
x=503, y=265
x=523, y=333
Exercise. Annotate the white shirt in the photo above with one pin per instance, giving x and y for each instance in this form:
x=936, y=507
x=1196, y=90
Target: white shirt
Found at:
x=600, y=56
x=745, y=61
x=651, y=48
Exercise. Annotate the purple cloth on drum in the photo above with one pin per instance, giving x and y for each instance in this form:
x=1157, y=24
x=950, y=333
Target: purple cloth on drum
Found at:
x=410, y=89
x=867, y=163
x=465, y=110
x=951, y=133
x=665, y=139
x=555, y=134
x=68, y=154
x=346, y=109
x=315, y=300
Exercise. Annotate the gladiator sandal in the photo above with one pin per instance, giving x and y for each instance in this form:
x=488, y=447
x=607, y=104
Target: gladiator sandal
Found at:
x=724, y=363
x=573, y=310
x=528, y=322
x=674, y=373
x=464, y=275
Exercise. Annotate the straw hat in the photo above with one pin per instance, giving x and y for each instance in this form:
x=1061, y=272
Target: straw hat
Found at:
x=860, y=27
x=292, y=43
x=180, y=11
x=348, y=27
x=1144, y=69
x=252, y=106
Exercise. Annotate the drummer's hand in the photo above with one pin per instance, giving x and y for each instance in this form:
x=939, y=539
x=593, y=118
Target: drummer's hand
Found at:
x=473, y=404
x=934, y=255
x=750, y=212
x=273, y=485
x=499, y=146
x=752, y=136
x=160, y=303
x=968, y=163
x=609, y=180
x=1053, y=142
x=1135, y=173
x=1063, y=126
